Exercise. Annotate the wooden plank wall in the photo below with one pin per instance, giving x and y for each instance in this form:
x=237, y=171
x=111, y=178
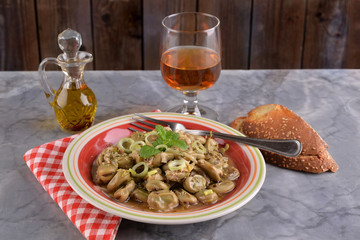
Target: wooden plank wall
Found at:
x=125, y=34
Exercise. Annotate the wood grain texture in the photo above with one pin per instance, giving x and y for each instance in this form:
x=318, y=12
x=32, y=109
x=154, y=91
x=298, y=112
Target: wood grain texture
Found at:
x=326, y=34
x=18, y=37
x=117, y=34
x=277, y=34
x=352, y=57
x=125, y=34
x=57, y=15
x=332, y=34
x=235, y=16
x=153, y=13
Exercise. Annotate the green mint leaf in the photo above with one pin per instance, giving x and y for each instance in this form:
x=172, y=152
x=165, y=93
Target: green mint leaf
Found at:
x=176, y=136
x=169, y=138
x=170, y=135
x=161, y=131
x=148, y=151
x=178, y=143
x=158, y=141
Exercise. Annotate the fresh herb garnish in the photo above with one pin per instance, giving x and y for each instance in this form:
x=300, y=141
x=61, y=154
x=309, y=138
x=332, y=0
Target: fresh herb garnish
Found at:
x=168, y=138
x=148, y=151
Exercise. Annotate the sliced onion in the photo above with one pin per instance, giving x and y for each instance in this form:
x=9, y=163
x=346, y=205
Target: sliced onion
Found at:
x=162, y=147
x=150, y=137
x=125, y=144
x=142, y=174
x=198, y=146
x=208, y=191
x=136, y=146
x=152, y=172
x=177, y=164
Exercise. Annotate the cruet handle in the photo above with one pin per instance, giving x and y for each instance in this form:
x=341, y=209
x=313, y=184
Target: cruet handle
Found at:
x=47, y=88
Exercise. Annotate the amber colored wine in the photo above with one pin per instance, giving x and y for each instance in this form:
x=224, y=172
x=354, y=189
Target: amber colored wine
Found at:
x=75, y=108
x=190, y=68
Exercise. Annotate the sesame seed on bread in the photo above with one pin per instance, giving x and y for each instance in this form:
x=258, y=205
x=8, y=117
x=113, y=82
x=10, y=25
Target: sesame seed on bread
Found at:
x=275, y=121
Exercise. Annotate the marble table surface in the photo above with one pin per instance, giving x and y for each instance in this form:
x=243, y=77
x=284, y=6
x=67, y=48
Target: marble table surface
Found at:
x=290, y=205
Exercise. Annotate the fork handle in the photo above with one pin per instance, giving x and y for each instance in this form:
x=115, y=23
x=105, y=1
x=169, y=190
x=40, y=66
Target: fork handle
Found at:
x=285, y=147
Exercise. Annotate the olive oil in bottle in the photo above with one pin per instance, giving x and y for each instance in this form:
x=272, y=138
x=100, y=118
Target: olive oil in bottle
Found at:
x=75, y=108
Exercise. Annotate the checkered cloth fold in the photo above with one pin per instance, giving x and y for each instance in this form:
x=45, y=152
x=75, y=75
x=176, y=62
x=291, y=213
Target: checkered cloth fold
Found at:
x=45, y=162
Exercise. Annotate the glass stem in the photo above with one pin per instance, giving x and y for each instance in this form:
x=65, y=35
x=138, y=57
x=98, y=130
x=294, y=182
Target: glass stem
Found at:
x=191, y=104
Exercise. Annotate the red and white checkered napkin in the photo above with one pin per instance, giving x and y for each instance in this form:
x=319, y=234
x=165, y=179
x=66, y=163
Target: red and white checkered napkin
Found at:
x=45, y=162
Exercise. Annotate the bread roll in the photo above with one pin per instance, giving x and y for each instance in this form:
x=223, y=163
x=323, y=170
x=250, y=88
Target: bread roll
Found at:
x=274, y=121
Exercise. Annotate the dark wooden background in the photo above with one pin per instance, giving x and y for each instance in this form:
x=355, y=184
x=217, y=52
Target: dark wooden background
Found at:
x=124, y=34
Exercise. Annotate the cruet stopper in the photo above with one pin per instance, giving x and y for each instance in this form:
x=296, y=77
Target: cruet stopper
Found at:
x=70, y=42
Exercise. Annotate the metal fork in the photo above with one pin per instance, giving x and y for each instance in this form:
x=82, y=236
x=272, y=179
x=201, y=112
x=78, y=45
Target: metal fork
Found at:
x=285, y=147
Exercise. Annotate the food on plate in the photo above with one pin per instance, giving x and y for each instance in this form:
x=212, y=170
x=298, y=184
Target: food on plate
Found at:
x=275, y=121
x=165, y=171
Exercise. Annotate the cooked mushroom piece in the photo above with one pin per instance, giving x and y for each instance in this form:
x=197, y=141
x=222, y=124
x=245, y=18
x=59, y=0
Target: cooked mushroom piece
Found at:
x=216, y=159
x=222, y=187
x=100, y=158
x=138, y=136
x=186, y=199
x=122, y=176
x=140, y=195
x=125, y=161
x=162, y=158
x=165, y=167
x=194, y=183
x=210, y=170
x=201, y=172
x=106, y=172
x=231, y=173
x=110, y=152
x=163, y=200
x=176, y=176
x=155, y=185
x=207, y=196
x=107, y=154
x=123, y=193
x=136, y=156
x=154, y=174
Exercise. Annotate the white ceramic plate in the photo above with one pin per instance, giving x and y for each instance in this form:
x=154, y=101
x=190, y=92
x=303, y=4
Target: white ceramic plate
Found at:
x=82, y=151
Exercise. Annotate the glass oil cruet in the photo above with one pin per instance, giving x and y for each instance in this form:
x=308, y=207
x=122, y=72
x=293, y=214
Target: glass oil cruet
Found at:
x=74, y=103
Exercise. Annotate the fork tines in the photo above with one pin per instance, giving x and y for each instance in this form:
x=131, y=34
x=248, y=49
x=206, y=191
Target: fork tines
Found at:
x=140, y=126
x=153, y=120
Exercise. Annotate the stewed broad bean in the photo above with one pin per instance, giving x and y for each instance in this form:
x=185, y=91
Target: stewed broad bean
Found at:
x=165, y=171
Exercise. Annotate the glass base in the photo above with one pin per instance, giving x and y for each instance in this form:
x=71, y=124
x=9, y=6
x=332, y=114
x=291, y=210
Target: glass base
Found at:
x=205, y=112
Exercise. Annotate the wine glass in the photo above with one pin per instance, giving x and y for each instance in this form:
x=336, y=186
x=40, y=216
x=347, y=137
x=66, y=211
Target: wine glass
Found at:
x=191, y=58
